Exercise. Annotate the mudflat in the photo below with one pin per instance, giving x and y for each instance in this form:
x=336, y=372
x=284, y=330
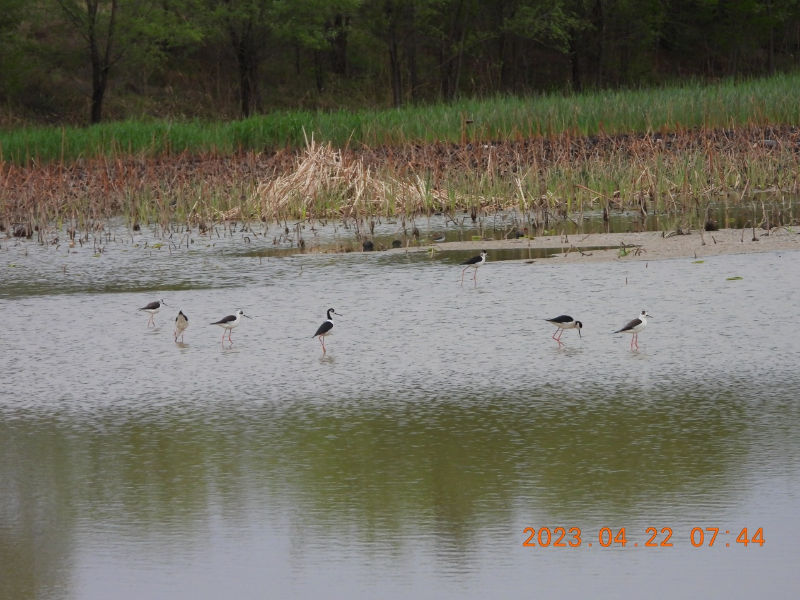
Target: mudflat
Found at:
x=648, y=245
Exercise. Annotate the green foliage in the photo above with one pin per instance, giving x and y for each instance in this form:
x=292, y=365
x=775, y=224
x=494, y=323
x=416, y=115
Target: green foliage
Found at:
x=723, y=105
x=224, y=58
x=11, y=15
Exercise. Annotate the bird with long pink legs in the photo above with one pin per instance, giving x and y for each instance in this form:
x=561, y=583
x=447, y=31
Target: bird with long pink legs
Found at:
x=634, y=327
x=153, y=308
x=474, y=262
x=325, y=329
x=564, y=322
x=228, y=323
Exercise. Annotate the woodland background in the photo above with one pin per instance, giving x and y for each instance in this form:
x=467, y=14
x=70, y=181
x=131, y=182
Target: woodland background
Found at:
x=84, y=61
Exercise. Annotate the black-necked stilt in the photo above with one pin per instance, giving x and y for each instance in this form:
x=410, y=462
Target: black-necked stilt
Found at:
x=564, y=322
x=474, y=262
x=181, y=323
x=634, y=327
x=325, y=329
x=153, y=308
x=229, y=322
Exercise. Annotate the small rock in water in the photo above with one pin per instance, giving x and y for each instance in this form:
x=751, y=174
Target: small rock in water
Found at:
x=397, y=244
x=368, y=246
x=711, y=226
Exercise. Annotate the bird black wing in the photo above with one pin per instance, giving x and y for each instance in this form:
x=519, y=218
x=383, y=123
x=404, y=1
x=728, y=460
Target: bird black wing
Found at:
x=560, y=319
x=630, y=325
x=227, y=319
x=324, y=328
x=151, y=306
x=472, y=261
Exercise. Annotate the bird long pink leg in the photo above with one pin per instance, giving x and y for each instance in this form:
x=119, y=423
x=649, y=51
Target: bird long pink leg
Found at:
x=223, y=337
x=636, y=337
x=322, y=341
x=633, y=337
x=229, y=335
x=462, y=275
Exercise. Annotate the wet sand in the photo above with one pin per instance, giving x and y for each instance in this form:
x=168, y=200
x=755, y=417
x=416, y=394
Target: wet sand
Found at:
x=647, y=245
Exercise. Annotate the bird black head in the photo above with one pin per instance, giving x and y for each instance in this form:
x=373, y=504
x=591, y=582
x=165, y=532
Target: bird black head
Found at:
x=579, y=325
x=484, y=253
x=331, y=310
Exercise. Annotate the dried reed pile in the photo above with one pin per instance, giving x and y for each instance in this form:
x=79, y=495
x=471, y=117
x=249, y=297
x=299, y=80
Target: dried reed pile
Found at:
x=328, y=182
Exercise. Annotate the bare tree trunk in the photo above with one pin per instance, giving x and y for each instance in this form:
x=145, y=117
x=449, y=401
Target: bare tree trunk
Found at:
x=771, y=52
x=338, y=37
x=318, y=71
x=101, y=64
x=412, y=56
x=596, y=51
x=247, y=68
x=394, y=55
x=394, y=69
x=575, y=63
x=450, y=64
x=100, y=51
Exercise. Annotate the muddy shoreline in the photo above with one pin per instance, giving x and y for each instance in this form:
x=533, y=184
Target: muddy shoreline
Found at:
x=646, y=246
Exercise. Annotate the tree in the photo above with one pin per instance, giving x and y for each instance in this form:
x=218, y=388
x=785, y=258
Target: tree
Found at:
x=111, y=28
x=248, y=26
x=11, y=14
x=321, y=26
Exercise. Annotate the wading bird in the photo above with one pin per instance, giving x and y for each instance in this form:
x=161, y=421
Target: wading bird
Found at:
x=325, y=329
x=228, y=323
x=153, y=308
x=564, y=322
x=181, y=323
x=474, y=262
x=634, y=327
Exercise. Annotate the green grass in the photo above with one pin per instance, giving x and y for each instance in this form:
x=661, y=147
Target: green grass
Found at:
x=727, y=104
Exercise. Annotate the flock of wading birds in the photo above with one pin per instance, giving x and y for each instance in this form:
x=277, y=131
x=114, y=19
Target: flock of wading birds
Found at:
x=228, y=323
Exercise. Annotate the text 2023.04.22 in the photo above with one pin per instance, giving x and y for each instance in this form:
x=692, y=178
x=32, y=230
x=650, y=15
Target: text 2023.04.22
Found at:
x=560, y=537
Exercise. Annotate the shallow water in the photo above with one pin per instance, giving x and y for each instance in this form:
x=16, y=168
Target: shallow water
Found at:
x=442, y=422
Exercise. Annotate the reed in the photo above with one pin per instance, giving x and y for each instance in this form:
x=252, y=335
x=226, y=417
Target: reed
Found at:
x=542, y=180
x=725, y=105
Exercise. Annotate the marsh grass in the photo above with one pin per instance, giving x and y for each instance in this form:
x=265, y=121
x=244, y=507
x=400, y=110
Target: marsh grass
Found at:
x=725, y=105
x=542, y=182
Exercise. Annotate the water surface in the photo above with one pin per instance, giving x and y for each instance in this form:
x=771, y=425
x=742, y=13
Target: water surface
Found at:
x=407, y=461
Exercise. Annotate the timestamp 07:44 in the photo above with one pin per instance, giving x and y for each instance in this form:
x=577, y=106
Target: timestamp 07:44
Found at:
x=561, y=537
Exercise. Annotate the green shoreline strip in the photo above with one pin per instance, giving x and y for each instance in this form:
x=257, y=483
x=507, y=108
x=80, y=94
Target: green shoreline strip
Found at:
x=723, y=105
